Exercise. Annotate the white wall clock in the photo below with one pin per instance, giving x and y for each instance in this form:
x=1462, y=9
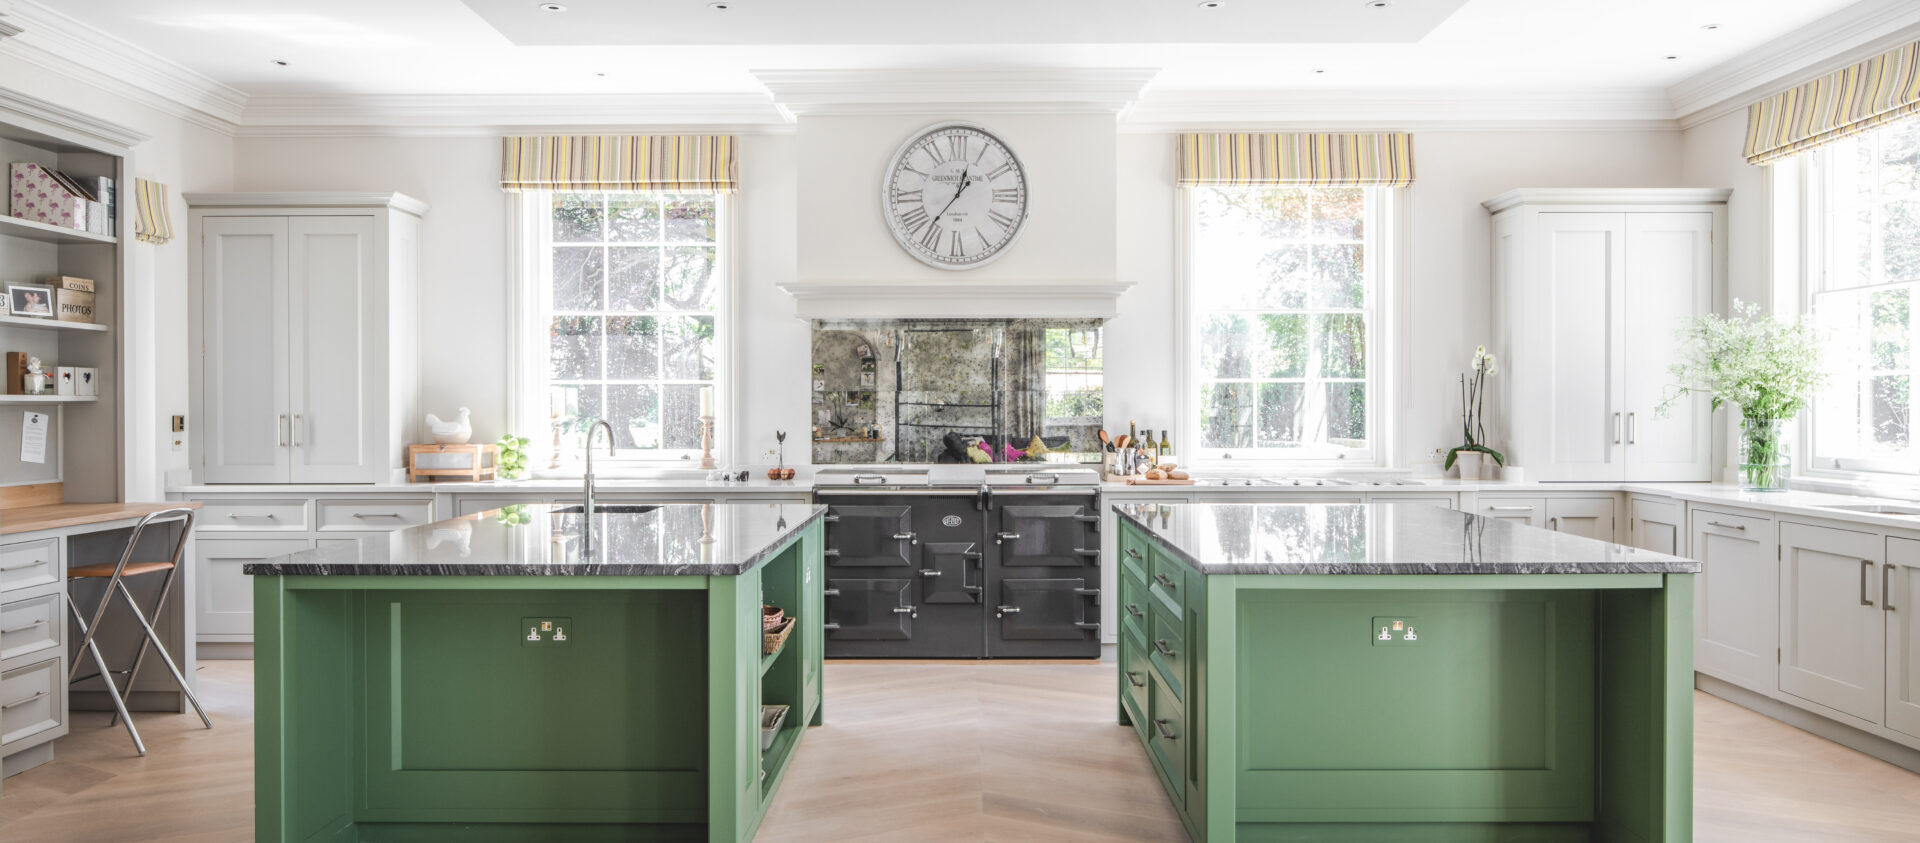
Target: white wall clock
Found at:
x=955, y=196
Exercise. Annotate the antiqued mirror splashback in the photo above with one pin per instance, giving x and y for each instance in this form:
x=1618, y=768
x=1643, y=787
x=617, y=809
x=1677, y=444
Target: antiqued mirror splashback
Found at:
x=956, y=390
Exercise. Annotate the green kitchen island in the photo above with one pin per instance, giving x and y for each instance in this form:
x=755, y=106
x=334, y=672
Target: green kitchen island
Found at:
x=515, y=675
x=1380, y=672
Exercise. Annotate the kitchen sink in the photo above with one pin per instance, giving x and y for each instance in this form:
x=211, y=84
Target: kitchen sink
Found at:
x=1875, y=508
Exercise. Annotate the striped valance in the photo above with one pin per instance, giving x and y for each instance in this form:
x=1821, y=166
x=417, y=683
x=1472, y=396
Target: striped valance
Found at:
x=152, y=222
x=1300, y=159
x=658, y=163
x=1872, y=93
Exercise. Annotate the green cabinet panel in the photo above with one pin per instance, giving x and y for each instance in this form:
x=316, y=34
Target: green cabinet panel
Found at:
x=1167, y=648
x=1134, y=671
x=1168, y=582
x=1167, y=736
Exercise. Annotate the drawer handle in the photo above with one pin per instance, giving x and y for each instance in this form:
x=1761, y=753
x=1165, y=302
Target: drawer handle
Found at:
x=1886, y=588
x=1134, y=610
x=1166, y=734
x=1741, y=527
x=1161, y=645
x=267, y=515
x=1134, y=553
x=21, y=702
x=23, y=627
x=1509, y=509
x=378, y=515
x=1133, y=678
x=1165, y=582
x=1866, y=568
x=18, y=565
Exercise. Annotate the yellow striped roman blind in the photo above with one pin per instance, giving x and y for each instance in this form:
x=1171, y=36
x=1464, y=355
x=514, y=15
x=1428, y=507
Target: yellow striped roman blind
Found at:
x=1299, y=159
x=1848, y=101
x=659, y=163
x=152, y=222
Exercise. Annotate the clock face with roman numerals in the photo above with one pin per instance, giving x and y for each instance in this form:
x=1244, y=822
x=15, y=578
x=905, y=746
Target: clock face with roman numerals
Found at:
x=955, y=196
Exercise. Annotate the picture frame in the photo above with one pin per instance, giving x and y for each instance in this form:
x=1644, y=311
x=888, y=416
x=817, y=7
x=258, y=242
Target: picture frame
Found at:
x=33, y=301
x=866, y=380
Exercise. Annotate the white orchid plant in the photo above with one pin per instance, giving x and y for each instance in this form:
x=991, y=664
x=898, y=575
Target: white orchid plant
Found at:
x=1473, y=392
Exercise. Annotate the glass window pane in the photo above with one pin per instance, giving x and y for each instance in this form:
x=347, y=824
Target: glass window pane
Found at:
x=690, y=278
x=1283, y=345
x=636, y=278
x=690, y=219
x=1346, y=414
x=1892, y=406
x=580, y=404
x=1281, y=414
x=688, y=351
x=633, y=348
x=633, y=219
x=1343, y=345
x=1227, y=346
x=681, y=406
x=1226, y=415
x=576, y=218
x=574, y=349
x=1892, y=325
x=577, y=278
x=1339, y=213
x=1900, y=240
x=1339, y=276
x=634, y=412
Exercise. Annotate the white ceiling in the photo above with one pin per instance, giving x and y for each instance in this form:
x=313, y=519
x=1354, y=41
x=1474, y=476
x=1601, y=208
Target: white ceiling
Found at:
x=371, y=47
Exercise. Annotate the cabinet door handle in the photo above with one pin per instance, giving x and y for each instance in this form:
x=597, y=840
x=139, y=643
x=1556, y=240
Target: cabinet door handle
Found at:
x=1161, y=645
x=280, y=429
x=1866, y=569
x=1166, y=734
x=296, y=430
x=1165, y=582
x=1509, y=509
x=1134, y=553
x=1133, y=678
x=1616, y=428
x=21, y=702
x=1632, y=430
x=1741, y=527
x=1134, y=610
x=1886, y=588
x=1554, y=524
x=23, y=627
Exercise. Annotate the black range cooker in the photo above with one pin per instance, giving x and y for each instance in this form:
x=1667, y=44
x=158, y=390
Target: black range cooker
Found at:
x=962, y=562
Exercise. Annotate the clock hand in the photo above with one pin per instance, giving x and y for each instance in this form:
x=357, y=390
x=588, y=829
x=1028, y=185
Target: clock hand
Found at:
x=964, y=182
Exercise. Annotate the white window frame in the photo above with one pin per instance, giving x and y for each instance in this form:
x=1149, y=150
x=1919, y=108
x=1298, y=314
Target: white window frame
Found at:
x=1386, y=226
x=529, y=238
x=1803, y=177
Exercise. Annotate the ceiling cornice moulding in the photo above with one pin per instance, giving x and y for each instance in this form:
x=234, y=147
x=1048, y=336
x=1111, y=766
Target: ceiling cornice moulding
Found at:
x=443, y=115
x=1850, y=35
x=955, y=90
x=1283, y=110
x=89, y=55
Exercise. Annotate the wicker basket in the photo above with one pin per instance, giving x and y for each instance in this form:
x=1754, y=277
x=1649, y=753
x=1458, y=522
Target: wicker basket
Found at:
x=773, y=639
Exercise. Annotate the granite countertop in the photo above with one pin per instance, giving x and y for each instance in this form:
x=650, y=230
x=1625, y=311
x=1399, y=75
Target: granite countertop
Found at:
x=710, y=539
x=1359, y=538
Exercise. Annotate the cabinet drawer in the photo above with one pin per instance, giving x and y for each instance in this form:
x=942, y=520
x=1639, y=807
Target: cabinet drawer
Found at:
x=32, y=700
x=1166, y=737
x=30, y=626
x=27, y=564
x=1529, y=511
x=361, y=516
x=1737, y=526
x=1133, y=557
x=1167, y=649
x=1169, y=582
x=1134, y=606
x=252, y=516
x=1135, y=673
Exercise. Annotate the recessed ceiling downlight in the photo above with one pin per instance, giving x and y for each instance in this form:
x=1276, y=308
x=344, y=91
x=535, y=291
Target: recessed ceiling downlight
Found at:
x=1710, y=27
x=1212, y=4
x=552, y=7
x=719, y=7
x=1379, y=4
x=280, y=62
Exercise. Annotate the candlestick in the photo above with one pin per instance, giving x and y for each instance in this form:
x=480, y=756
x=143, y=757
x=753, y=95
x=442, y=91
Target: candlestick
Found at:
x=706, y=402
x=706, y=442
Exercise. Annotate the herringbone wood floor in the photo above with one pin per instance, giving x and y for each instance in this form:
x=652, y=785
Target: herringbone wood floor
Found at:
x=932, y=752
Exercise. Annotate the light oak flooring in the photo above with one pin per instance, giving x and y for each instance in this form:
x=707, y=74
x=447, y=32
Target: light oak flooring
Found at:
x=930, y=752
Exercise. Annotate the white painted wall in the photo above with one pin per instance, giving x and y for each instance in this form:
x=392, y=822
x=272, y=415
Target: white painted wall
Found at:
x=185, y=157
x=808, y=210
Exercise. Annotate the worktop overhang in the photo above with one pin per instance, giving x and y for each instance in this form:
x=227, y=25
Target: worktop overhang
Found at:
x=537, y=540
x=1375, y=539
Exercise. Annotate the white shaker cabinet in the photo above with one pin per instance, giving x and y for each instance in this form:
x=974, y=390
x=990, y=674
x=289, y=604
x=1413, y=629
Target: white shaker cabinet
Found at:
x=1590, y=288
x=1900, y=601
x=1736, y=598
x=1658, y=524
x=1832, y=630
x=306, y=327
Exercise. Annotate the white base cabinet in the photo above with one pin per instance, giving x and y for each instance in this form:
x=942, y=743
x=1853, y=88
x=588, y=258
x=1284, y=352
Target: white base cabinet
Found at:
x=1736, y=598
x=1578, y=513
x=1657, y=524
x=1900, y=601
x=1832, y=629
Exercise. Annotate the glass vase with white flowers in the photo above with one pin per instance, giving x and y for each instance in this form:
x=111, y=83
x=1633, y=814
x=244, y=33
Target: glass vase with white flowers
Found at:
x=1473, y=428
x=1767, y=366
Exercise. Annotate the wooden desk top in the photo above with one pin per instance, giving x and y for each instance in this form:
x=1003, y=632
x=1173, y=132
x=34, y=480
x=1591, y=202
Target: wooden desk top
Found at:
x=28, y=519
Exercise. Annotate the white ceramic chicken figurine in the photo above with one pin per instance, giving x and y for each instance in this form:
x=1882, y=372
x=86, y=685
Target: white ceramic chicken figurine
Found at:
x=455, y=432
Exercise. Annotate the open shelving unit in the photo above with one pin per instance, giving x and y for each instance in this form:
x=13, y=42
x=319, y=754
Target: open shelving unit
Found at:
x=94, y=468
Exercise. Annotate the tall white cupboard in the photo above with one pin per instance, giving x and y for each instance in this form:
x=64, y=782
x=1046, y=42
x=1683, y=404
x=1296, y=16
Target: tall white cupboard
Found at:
x=305, y=327
x=1591, y=288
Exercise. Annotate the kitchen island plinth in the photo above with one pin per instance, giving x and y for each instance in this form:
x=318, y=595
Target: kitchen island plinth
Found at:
x=493, y=684
x=1396, y=673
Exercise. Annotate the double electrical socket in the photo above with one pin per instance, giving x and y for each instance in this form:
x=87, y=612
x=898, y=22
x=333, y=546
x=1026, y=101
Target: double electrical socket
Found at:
x=1395, y=632
x=545, y=632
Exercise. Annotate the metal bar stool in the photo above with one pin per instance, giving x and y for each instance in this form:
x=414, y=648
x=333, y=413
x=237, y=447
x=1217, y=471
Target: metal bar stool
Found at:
x=115, y=575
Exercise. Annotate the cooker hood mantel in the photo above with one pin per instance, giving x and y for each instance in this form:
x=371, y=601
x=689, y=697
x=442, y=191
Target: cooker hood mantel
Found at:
x=956, y=299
